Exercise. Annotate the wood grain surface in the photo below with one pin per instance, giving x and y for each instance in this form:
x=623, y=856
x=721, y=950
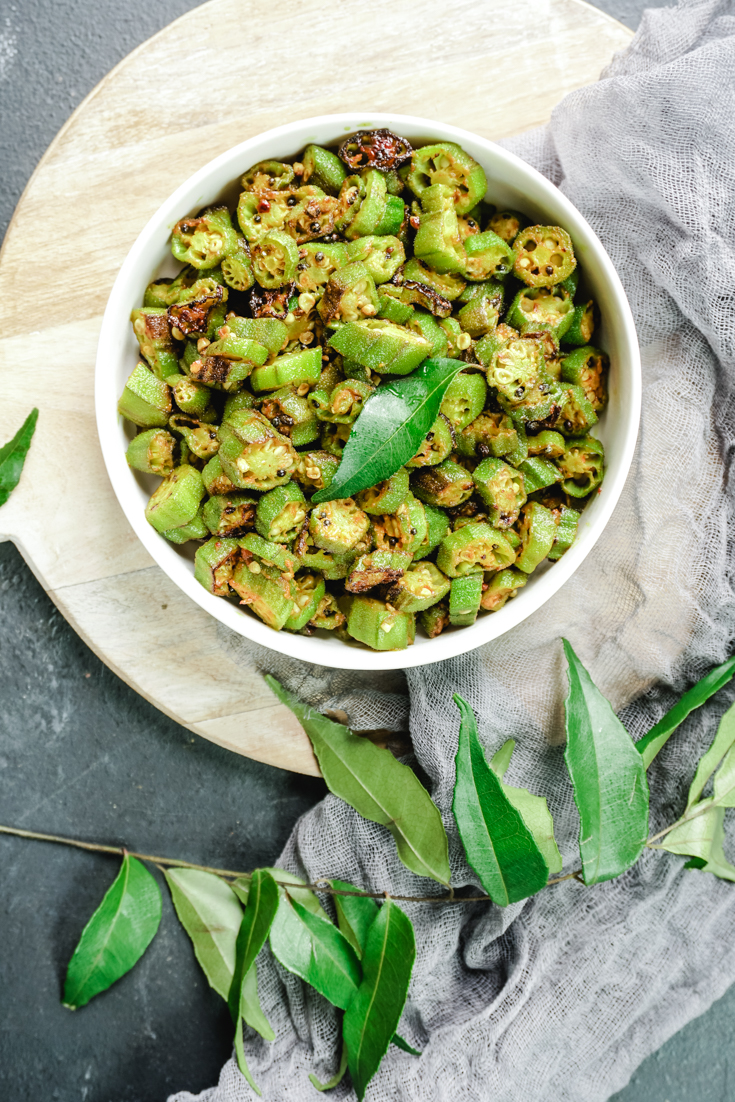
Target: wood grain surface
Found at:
x=222, y=73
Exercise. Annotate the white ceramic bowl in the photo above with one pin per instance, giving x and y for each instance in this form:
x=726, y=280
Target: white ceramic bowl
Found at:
x=512, y=184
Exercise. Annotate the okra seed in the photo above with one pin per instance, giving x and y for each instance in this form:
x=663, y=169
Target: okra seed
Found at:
x=280, y=474
x=254, y=567
x=385, y=626
x=291, y=201
x=524, y=262
x=176, y=333
x=289, y=319
x=464, y=340
x=369, y=310
x=306, y=301
x=202, y=343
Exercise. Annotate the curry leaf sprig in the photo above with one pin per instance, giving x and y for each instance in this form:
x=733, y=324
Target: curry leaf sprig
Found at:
x=361, y=959
x=13, y=456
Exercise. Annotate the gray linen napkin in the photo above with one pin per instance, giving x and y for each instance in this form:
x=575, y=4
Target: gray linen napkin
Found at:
x=561, y=997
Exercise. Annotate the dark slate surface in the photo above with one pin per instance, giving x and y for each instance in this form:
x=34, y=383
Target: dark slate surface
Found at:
x=82, y=754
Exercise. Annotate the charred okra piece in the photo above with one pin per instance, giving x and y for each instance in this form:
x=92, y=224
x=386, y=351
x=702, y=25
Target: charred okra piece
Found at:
x=214, y=562
x=381, y=346
x=537, y=530
x=290, y=413
x=448, y=164
x=464, y=600
x=200, y=309
x=379, y=627
x=201, y=439
x=281, y=513
x=254, y=456
x=152, y=329
x=266, y=591
x=446, y=285
x=582, y=466
x=338, y=526
x=146, y=400
x=403, y=530
x=176, y=501
x=444, y=486
x=502, y=489
x=349, y=295
x=153, y=452
x=420, y=587
x=382, y=256
x=377, y=568
x=437, y=527
x=464, y=399
x=438, y=242
x=473, y=548
x=436, y=447
x=275, y=259
x=583, y=324
x=290, y=368
x=229, y=515
x=433, y=620
x=206, y=240
x=307, y=592
x=488, y=257
x=502, y=587
x=536, y=309
x=587, y=367
x=386, y=496
x=412, y=293
x=567, y=522
x=323, y=168
x=543, y=256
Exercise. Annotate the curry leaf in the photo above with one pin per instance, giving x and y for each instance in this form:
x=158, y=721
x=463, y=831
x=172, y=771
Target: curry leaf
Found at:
x=355, y=914
x=116, y=936
x=336, y=1078
x=499, y=846
x=709, y=761
x=260, y=911
x=13, y=456
x=651, y=743
x=609, y=779
x=370, y=779
x=391, y=427
x=371, y=1019
x=404, y=1046
x=534, y=809
x=241, y=1061
x=332, y=955
x=209, y=911
x=702, y=837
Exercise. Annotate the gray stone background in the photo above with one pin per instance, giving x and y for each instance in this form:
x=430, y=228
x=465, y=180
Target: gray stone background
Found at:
x=82, y=754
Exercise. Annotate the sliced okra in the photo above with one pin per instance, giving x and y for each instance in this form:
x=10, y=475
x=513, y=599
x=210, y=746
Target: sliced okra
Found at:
x=438, y=242
x=331, y=566
x=543, y=256
x=307, y=592
x=537, y=531
x=381, y=149
x=214, y=478
x=153, y=332
x=457, y=340
x=587, y=367
x=280, y=513
x=539, y=309
x=567, y=522
x=196, y=529
x=474, y=548
x=338, y=526
x=421, y=586
x=582, y=466
x=164, y=292
x=436, y=446
x=315, y=469
x=362, y=205
x=446, y=285
x=254, y=456
x=267, y=553
x=349, y=295
x=381, y=255
x=443, y=486
x=538, y=473
x=488, y=257
x=317, y=263
x=377, y=568
x=502, y=489
x=346, y=402
x=192, y=314
x=220, y=373
x=275, y=259
x=328, y=615
x=479, y=316
x=437, y=527
x=271, y=175
x=154, y=452
x=240, y=400
x=229, y=515
x=435, y=619
x=501, y=588
x=271, y=332
x=426, y=326
x=334, y=437
x=583, y=324
x=201, y=438
x=507, y=224
x=385, y=496
x=214, y=562
x=492, y=342
x=237, y=269
x=465, y=595
x=290, y=413
x=268, y=593
x=323, y=168
x=391, y=308
x=464, y=399
x=414, y=293
x=290, y=368
x=381, y=346
x=204, y=241
x=381, y=628
x=546, y=445
x=146, y=399
x=176, y=501
x=403, y=530
x=489, y=434
x=304, y=212
x=518, y=373
x=446, y=163
x=575, y=413
x=190, y=396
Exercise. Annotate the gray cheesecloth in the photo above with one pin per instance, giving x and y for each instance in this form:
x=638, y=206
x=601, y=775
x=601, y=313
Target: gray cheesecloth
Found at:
x=559, y=998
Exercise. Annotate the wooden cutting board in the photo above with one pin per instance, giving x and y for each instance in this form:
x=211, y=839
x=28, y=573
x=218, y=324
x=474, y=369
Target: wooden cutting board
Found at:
x=222, y=73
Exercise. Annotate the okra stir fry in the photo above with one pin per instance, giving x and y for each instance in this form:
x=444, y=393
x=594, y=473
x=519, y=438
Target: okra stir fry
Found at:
x=339, y=274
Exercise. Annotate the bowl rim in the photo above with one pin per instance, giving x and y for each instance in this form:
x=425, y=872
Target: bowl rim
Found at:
x=180, y=202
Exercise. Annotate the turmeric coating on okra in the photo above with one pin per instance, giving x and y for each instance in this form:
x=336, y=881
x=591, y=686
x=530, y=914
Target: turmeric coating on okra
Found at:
x=341, y=272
